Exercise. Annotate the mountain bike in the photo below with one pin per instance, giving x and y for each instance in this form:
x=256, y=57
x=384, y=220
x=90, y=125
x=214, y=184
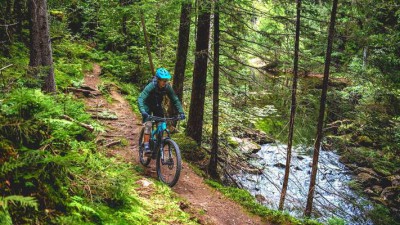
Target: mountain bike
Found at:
x=164, y=150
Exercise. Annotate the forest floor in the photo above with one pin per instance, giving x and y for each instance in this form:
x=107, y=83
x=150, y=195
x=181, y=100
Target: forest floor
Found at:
x=206, y=204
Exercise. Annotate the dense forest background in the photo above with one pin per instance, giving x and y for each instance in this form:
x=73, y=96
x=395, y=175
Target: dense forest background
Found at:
x=52, y=165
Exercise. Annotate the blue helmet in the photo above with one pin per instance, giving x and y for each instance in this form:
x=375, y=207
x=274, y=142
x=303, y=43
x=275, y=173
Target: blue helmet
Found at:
x=162, y=73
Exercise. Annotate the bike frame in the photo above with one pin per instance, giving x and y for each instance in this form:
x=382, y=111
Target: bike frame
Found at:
x=157, y=137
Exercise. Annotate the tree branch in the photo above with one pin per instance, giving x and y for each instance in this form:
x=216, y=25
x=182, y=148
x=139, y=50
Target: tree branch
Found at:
x=6, y=67
x=8, y=25
x=86, y=126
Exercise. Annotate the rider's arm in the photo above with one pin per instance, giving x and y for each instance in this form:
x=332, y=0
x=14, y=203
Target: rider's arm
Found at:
x=143, y=96
x=174, y=99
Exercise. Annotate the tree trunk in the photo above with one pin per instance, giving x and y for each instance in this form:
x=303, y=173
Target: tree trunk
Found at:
x=292, y=109
x=196, y=12
x=365, y=57
x=195, y=122
x=6, y=28
x=181, y=55
x=318, y=139
x=146, y=38
x=212, y=167
x=41, y=56
x=19, y=16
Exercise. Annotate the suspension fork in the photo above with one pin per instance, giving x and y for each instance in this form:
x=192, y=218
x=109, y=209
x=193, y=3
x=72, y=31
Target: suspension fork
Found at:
x=161, y=147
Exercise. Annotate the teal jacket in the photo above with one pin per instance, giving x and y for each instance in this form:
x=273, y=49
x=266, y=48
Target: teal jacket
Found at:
x=150, y=100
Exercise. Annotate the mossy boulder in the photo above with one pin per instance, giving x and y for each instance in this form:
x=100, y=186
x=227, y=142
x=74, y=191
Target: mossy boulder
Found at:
x=233, y=142
x=245, y=145
x=364, y=141
x=255, y=135
x=391, y=194
x=367, y=179
x=59, y=15
x=394, y=179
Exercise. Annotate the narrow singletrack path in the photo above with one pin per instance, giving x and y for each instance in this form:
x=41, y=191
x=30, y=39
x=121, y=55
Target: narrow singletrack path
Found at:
x=123, y=126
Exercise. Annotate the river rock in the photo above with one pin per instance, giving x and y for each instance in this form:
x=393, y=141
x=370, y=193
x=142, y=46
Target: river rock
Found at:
x=261, y=199
x=366, y=170
x=369, y=191
x=300, y=157
x=297, y=168
x=260, y=137
x=377, y=189
x=364, y=141
x=379, y=200
x=245, y=145
x=254, y=156
x=395, y=180
x=367, y=179
x=280, y=165
x=351, y=166
x=391, y=194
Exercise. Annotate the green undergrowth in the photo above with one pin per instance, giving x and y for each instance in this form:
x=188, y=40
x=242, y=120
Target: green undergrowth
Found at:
x=52, y=172
x=71, y=61
x=384, y=164
x=245, y=199
x=189, y=148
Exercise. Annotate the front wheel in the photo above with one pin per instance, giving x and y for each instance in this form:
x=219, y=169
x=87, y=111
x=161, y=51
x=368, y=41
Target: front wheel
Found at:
x=169, y=163
x=144, y=160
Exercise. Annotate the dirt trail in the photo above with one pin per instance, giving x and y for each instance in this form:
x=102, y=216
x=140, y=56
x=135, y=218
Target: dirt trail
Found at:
x=210, y=206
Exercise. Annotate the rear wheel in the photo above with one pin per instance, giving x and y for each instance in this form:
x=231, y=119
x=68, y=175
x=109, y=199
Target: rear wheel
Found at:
x=144, y=160
x=169, y=166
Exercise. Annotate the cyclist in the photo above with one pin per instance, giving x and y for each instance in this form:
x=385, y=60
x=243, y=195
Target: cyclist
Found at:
x=150, y=102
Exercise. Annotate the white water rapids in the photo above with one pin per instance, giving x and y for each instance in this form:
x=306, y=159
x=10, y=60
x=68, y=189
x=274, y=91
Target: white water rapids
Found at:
x=333, y=197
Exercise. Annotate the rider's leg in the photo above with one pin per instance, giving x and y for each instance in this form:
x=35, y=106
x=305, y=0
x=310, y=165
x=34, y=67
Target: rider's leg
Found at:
x=147, y=130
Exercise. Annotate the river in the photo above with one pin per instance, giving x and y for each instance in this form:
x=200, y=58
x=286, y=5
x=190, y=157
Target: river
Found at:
x=333, y=196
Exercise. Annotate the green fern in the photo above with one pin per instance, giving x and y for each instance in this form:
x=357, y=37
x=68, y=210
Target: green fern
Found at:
x=82, y=208
x=5, y=218
x=10, y=166
x=22, y=200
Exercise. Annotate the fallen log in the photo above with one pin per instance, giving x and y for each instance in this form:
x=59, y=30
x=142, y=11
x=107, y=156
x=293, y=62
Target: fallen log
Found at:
x=87, y=126
x=100, y=117
x=87, y=87
x=111, y=135
x=84, y=91
x=113, y=143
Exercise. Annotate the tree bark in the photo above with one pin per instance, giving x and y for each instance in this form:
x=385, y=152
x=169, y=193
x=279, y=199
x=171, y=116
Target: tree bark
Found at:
x=181, y=55
x=41, y=56
x=19, y=16
x=196, y=112
x=6, y=28
x=212, y=167
x=318, y=139
x=292, y=109
x=146, y=38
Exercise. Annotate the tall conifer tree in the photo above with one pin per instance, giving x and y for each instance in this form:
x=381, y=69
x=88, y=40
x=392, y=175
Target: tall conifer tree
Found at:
x=41, y=55
x=196, y=112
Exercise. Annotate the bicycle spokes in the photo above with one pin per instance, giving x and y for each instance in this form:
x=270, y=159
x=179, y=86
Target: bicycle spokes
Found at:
x=144, y=160
x=169, y=163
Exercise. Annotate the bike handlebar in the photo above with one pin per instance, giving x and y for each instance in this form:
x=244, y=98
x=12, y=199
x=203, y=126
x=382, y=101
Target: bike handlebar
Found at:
x=163, y=119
